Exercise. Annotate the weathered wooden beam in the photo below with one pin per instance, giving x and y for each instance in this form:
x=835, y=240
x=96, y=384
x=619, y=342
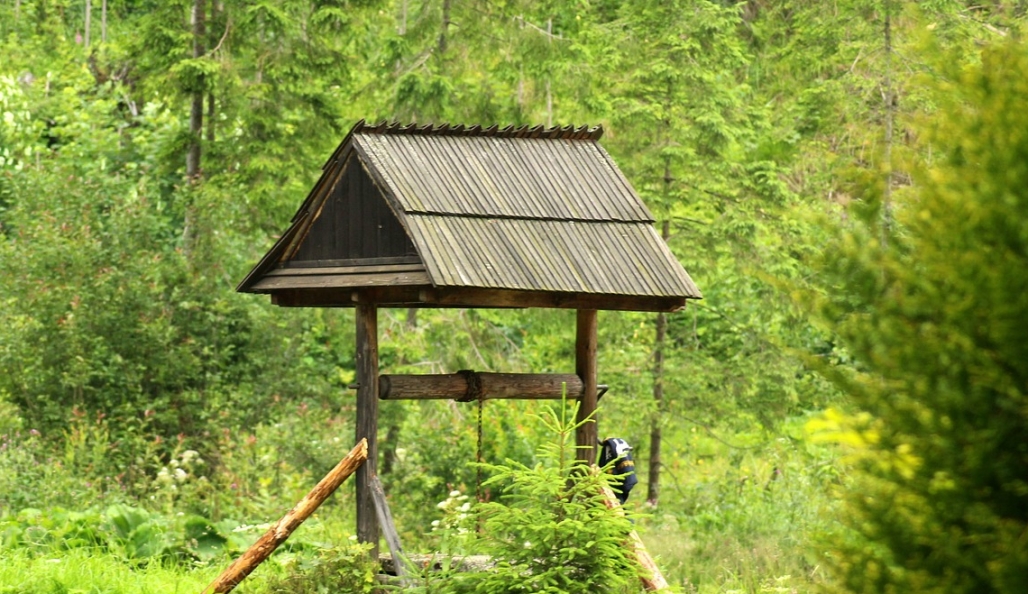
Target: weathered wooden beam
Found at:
x=427, y=296
x=367, y=421
x=585, y=367
x=277, y=534
x=314, y=280
x=652, y=580
x=469, y=386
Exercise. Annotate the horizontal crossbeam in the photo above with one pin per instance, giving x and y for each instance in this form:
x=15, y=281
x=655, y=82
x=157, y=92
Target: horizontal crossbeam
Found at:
x=468, y=386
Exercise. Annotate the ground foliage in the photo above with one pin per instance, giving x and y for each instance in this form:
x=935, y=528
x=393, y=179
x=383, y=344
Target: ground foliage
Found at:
x=750, y=129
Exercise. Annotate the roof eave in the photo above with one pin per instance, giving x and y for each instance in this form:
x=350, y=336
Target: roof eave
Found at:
x=463, y=297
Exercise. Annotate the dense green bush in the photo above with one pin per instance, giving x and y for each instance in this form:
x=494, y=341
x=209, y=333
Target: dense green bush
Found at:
x=934, y=309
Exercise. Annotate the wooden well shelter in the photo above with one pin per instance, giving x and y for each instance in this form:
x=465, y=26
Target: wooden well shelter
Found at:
x=470, y=217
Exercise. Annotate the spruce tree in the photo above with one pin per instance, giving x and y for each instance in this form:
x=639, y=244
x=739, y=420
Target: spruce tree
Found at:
x=936, y=320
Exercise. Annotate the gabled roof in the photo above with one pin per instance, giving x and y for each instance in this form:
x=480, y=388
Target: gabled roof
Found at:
x=520, y=211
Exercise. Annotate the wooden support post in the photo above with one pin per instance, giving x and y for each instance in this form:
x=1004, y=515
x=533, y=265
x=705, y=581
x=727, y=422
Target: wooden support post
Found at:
x=585, y=367
x=278, y=533
x=367, y=421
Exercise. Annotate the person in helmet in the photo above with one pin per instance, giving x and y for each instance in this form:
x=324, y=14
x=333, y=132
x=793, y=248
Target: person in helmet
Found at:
x=617, y=450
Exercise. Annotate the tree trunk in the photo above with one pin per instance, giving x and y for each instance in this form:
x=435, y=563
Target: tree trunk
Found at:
x=209, y=136
x=446, y=26
x=549, y=92
x=196, y=110
x=653, y=484
x=890, y=100
x=389, y=451
x=211, y=105
x=103, y=22
x=89, y=21
x=656, y=435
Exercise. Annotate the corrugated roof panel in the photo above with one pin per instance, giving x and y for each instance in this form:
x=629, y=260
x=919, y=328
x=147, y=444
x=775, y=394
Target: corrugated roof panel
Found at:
x=563, y=256
x=527, y=192
x=555, y=256
x=532, y=209
x=579, y=194
x=501, y=176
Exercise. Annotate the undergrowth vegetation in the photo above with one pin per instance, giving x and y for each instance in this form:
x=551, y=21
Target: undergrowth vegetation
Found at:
x=738, y=508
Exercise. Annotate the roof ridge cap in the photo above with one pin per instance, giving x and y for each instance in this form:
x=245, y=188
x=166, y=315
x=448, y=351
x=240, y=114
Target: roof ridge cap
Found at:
x=569, y=132
x=511, y=217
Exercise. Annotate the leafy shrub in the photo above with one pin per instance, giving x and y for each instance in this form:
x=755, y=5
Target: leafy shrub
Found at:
x=130, y=533
x=339, y=569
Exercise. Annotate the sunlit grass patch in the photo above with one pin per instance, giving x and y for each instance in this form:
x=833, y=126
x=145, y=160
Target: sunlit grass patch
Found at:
x=90, y=571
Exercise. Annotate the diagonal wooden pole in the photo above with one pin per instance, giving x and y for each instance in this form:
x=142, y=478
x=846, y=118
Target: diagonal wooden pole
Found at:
x=401, y=565
x=278, y=533
x=654, y=582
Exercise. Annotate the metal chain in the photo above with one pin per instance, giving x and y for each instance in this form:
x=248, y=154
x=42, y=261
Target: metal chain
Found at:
x=478, y=455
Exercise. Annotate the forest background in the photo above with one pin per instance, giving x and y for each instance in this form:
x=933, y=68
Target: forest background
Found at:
x=150, y=152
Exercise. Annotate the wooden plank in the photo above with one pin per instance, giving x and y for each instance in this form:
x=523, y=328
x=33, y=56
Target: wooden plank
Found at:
x=490, y=386
x=585, y=367
x=298, y=271
x=367, y=421
x=653, y=580
x=278, y=533
x=473, y=297
x=426, y=296
x=385, y=519
x=375, y=261
x=270, y=283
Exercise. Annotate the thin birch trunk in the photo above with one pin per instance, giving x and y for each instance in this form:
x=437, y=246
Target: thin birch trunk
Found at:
x=89, y=20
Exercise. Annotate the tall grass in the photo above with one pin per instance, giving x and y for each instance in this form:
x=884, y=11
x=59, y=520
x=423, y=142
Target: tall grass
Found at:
x=89, y=572
x=741, y=517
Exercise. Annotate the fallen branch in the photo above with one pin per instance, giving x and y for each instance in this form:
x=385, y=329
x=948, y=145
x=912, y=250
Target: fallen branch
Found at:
x=278, y=533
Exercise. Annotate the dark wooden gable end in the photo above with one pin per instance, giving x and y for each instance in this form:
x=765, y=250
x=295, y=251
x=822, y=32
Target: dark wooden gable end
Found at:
x=471, y=217
x=355, y=225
